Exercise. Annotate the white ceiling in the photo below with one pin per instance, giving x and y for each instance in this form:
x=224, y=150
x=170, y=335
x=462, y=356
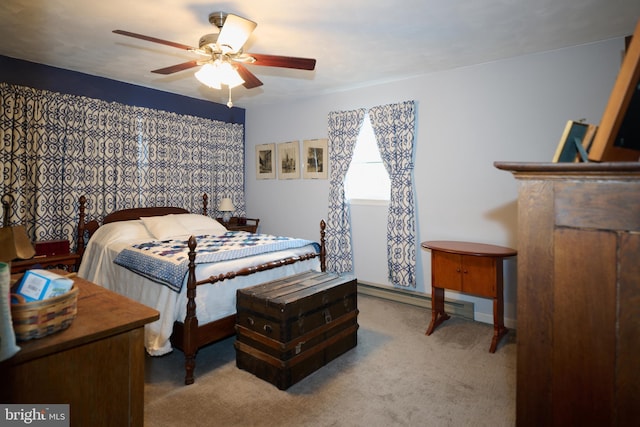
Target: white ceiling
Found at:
x=355, y=42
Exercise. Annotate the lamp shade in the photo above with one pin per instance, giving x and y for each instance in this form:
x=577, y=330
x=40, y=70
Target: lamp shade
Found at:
x=14, y=242
x=226, y=205
x=219, y=73
x=229, y=75
x=207, y=75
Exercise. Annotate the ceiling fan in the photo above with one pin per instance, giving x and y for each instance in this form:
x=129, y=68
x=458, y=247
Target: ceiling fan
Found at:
x=223, y=60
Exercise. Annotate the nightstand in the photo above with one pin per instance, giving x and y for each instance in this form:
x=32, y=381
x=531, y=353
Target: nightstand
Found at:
x=472, y=268
x=241, y=224
x=68, y=262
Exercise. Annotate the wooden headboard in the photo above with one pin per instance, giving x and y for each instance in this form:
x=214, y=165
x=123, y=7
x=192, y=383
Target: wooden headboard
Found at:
x=137, y=213
x=86, y=229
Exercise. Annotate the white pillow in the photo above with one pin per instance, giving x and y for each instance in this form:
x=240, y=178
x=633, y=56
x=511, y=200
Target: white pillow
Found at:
x=121, y=231
x=164, y=227
x=200, y=224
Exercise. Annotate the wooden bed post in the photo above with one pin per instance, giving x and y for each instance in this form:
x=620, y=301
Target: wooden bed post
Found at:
x=323, y=249
x=85, y=229
x=190, y=339
x=205, y=202
x=81, y=227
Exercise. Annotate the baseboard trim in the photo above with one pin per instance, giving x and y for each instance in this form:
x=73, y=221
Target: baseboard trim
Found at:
x=453, y=307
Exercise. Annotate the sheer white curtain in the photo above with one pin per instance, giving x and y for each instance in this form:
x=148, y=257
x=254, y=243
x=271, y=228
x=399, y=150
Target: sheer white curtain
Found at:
x=344, y=127
x=57, y=147
x=394, y=128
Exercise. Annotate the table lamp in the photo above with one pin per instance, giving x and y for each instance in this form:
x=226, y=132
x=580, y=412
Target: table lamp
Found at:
x=226, y=207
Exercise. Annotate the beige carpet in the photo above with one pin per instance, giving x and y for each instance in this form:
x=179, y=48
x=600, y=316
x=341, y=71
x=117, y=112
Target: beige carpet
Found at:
x=396, y=376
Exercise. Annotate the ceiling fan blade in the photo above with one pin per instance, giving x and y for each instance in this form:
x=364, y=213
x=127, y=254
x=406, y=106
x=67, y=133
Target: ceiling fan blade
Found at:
x=250, y=80
x=175, y=68
x=153, y=39
x=235, y=32
x=283, y=61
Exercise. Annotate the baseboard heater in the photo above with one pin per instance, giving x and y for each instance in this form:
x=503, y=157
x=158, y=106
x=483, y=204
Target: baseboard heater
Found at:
x=452, y=307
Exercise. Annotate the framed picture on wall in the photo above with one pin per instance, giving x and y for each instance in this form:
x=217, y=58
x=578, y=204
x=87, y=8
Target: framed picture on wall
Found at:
x=289, y=160
x=314, y=159
x=266, y=161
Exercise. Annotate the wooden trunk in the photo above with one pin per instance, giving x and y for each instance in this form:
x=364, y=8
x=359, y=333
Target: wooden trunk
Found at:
x=291, y=327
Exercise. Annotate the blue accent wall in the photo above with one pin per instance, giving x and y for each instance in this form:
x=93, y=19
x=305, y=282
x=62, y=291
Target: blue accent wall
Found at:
x=39, y=76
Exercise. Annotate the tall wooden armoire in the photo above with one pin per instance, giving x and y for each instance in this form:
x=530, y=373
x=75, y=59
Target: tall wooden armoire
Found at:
x=578, y=308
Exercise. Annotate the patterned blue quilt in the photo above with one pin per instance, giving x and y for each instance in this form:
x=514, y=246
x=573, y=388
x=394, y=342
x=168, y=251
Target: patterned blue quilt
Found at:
x=167, y=261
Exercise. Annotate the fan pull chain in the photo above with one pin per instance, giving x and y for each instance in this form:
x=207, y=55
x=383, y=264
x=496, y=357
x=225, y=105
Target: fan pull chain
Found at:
x=230, y=103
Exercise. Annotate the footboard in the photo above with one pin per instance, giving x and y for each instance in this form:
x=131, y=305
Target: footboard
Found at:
x=190, y=336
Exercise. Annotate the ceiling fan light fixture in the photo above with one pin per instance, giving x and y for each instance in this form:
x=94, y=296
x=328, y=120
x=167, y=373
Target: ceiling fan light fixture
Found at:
x=208, y=75
x=230, y=75
x=219, y=73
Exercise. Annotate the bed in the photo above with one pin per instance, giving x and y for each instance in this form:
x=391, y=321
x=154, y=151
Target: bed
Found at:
x=197, y=300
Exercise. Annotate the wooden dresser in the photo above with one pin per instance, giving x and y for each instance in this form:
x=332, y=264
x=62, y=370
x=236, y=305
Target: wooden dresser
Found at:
x=96, y=365
x=69, y=262
x=578, y=310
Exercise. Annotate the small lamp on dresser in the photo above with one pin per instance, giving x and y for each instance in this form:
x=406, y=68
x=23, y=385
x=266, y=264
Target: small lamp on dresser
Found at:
x=226, y=207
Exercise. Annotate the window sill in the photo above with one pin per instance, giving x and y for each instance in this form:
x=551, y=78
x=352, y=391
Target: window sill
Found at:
x=368, y=202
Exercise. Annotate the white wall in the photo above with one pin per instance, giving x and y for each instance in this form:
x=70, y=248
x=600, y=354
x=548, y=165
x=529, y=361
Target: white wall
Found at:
x=467, y=118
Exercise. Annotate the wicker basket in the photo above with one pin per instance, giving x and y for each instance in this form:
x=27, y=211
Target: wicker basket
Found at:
x=38, y=319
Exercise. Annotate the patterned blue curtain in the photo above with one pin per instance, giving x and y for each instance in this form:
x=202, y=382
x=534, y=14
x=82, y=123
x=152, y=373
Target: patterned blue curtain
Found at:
x=344, y=127
x=227, y=148
x=394, y=127
x=57, y=147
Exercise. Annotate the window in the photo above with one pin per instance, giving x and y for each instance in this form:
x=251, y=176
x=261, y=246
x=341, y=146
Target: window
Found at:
x=367, y=177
